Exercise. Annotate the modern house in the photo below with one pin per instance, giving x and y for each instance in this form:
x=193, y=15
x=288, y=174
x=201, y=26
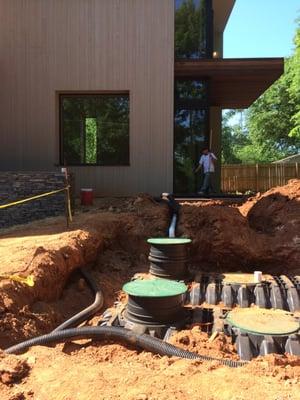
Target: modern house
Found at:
x=123, y=92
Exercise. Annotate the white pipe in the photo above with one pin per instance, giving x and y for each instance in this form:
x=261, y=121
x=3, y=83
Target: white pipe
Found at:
x=172, y=227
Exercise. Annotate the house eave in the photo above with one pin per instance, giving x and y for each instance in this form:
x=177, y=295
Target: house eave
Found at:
x=234, y=83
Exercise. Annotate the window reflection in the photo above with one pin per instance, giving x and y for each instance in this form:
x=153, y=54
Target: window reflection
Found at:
x=190, y=90
x=94, y=129
x=190, y=137
x=193, y=27
x=190, y=132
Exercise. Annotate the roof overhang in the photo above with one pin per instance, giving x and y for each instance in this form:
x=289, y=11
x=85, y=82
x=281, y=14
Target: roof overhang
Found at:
x=222, y=10
x=234, y=83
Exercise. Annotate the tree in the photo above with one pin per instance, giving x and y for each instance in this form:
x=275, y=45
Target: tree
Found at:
x=95, y=129
x=294, y=85
x=273, y=121
x=190, y=29
x=272, y=129
x=236, y=144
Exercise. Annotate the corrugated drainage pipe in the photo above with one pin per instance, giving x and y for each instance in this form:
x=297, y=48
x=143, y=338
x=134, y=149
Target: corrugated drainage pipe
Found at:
x=145, y=342
x=89, y=311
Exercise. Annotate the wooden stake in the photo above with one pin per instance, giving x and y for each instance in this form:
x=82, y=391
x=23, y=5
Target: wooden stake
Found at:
x=213, y=336
x=67, y=198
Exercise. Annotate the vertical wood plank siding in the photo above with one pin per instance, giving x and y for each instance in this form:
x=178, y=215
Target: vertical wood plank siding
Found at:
x=52, y=46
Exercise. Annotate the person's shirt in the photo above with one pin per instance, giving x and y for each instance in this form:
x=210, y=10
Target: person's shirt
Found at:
x=207, y=163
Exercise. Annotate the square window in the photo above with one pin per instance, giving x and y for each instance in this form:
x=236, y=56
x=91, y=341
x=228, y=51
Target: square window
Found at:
x=94, y=129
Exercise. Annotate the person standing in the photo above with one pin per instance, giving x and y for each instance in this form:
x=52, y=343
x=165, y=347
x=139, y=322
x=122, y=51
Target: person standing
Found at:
x=207, y=164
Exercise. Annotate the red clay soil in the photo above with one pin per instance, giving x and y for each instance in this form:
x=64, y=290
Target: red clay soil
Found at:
x=50, y=252
x=262, y=234
x=111, y=371
x=110, y=239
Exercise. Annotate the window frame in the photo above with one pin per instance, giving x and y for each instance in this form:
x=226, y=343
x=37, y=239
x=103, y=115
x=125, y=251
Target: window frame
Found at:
x=71, y=94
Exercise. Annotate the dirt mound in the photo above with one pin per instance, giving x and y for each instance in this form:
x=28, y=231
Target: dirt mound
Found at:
x=281, y=367
x=110, y=239
x=272, y=201
x=12, y=369
x=197, y=341
x=220, y=235
x=261, y=234
x=51, y=253
x=111, y=372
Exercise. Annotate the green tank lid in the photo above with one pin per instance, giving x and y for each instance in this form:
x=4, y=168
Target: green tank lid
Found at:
x=169, y=241
x=154, y=288
x=261, y=321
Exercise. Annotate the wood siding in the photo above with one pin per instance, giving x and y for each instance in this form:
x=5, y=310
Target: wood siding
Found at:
x=49, y=47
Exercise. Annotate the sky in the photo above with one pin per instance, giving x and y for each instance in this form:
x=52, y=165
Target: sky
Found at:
x=261, y=28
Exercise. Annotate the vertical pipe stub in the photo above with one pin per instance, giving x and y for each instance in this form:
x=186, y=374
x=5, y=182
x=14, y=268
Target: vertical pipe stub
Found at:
x=168, y=257
x=154, y=302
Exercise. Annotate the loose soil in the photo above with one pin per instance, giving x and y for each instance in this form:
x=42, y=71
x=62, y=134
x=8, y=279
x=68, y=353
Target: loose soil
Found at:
x=110, y=240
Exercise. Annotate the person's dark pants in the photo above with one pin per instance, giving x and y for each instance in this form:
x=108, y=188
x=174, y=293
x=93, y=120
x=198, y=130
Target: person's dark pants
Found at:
x=206, y=185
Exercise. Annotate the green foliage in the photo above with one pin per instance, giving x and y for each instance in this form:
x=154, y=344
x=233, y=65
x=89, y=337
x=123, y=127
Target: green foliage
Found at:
x=91, y=140
x=294, y=86
x=272, y=128
x=95, y=129
x=189, y=139
x=234, y=137
x=190, y=32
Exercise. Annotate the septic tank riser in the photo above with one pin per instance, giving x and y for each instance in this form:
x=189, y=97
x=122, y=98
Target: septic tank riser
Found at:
x=168, y=257
x=155, y=302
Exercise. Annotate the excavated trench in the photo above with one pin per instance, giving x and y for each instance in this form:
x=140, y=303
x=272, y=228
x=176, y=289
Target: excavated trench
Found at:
x=113, y=242
x=110, y=241
x=260, y=235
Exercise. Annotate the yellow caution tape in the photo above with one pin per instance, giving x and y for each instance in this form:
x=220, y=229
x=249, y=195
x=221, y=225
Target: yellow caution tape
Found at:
x=33, y=197
x=44, y=195
x=29, y=280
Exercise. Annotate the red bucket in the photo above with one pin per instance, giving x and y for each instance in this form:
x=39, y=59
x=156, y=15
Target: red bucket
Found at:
x=86, y=196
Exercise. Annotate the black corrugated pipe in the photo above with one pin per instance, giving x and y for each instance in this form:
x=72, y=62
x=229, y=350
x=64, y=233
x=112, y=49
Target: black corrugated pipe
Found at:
x=145, y=342
x=88, y=311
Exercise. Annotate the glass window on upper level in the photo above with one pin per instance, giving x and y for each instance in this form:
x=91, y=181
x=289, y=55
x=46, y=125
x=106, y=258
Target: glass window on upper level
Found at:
x=193, y=29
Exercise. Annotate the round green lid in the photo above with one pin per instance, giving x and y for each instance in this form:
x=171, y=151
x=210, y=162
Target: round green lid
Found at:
x=263, y=321
x=169, y=241
x=154, y=288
